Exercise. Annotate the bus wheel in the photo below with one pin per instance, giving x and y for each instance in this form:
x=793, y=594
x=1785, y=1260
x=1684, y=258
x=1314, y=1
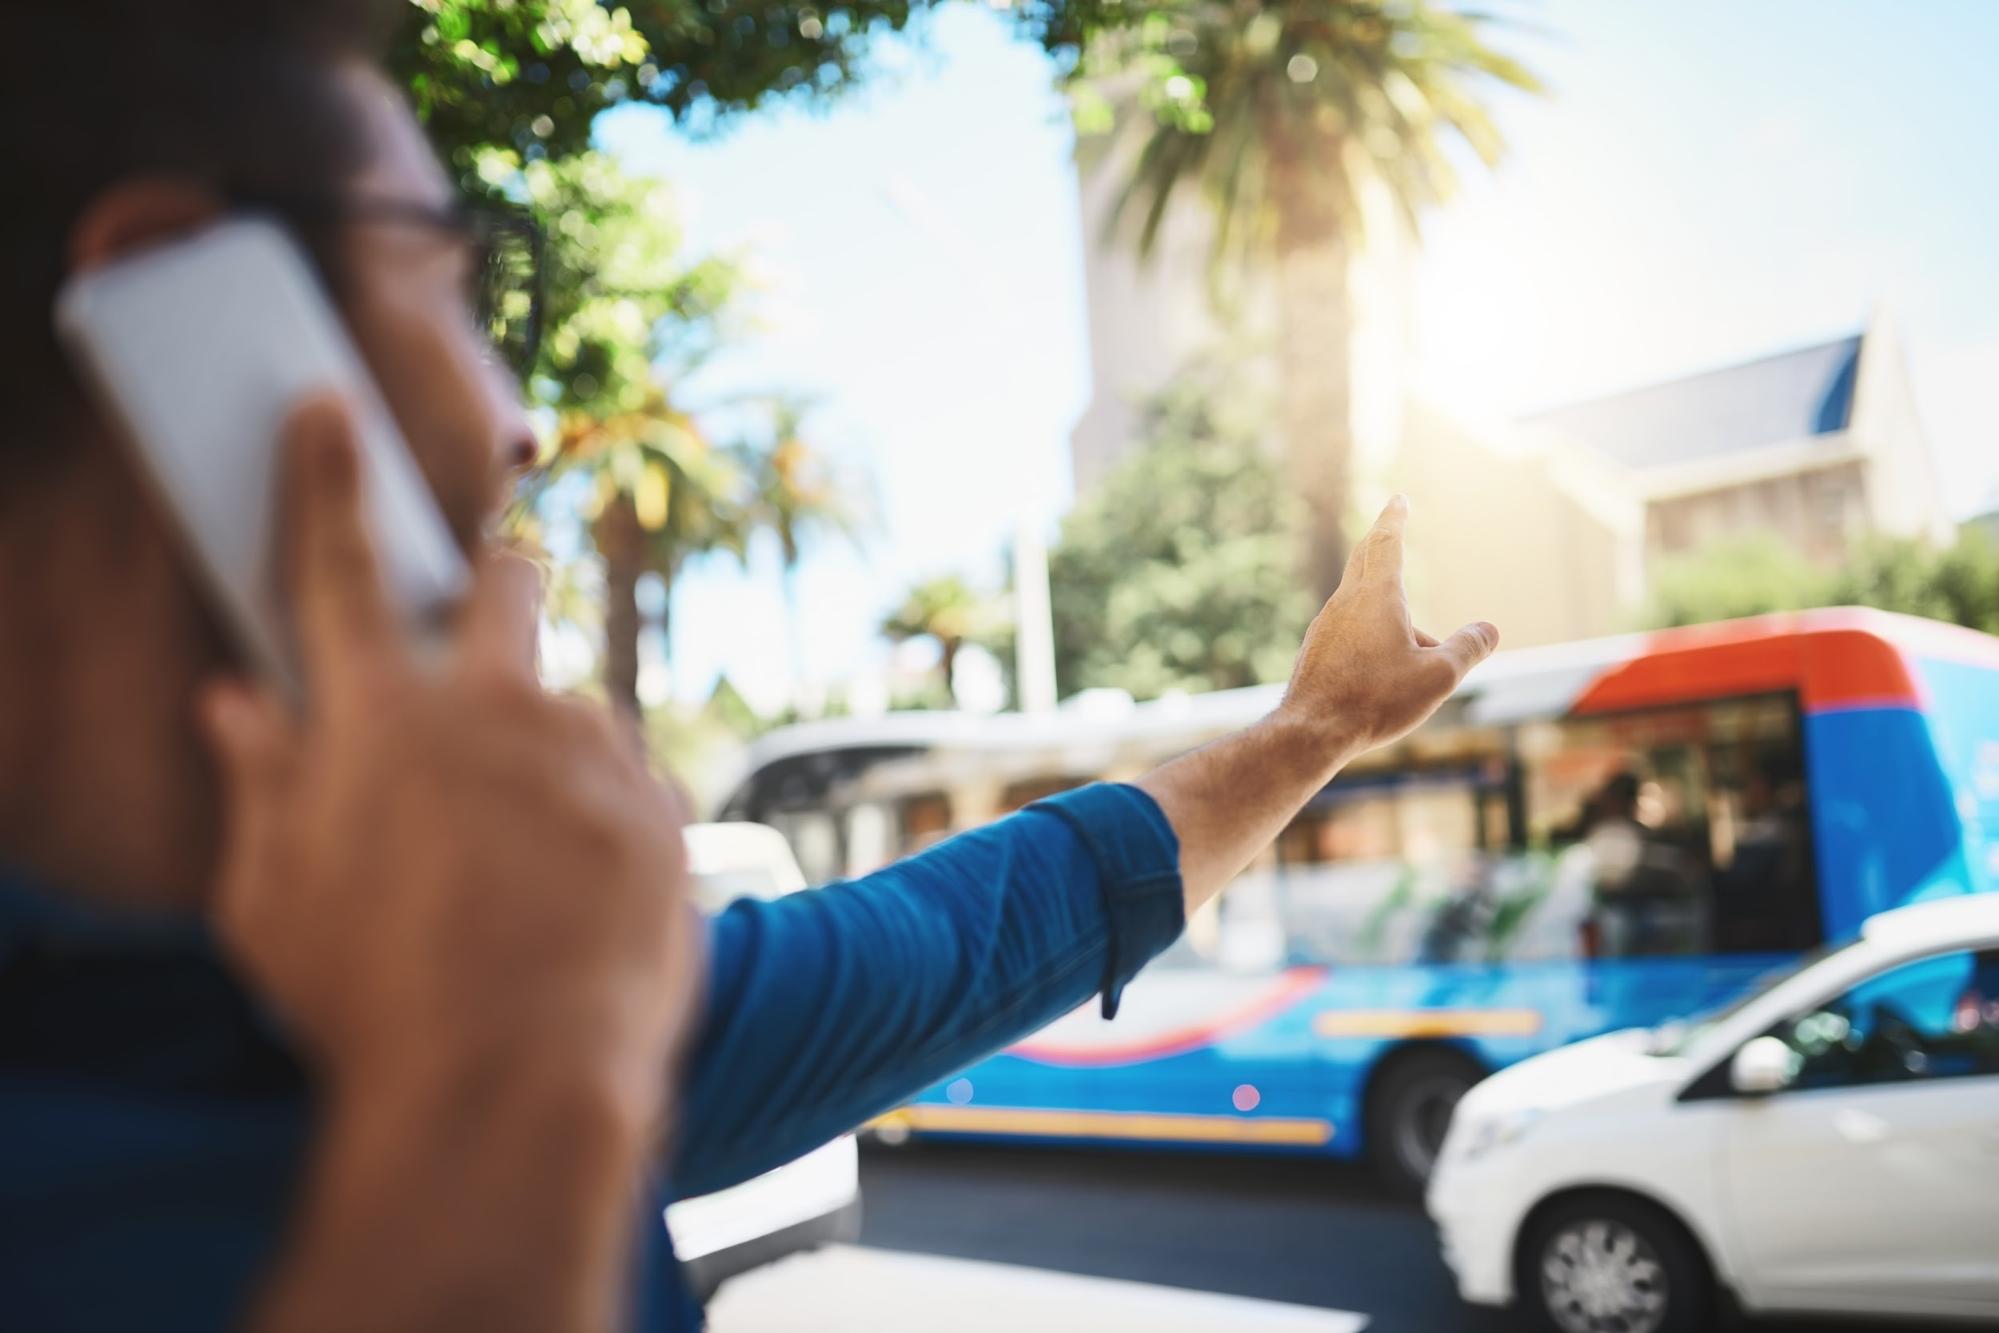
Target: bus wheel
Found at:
x=1409, y=1107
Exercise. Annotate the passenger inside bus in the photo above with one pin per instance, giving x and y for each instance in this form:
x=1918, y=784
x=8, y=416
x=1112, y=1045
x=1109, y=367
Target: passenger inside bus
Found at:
x=1674, y=832
x=1678, y=832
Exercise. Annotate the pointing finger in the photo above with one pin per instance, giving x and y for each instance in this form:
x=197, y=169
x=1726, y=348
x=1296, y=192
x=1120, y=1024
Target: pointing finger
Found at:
x=1384, y=540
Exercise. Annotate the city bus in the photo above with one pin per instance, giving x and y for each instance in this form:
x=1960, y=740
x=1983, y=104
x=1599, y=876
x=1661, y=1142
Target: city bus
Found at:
x=1590, y=836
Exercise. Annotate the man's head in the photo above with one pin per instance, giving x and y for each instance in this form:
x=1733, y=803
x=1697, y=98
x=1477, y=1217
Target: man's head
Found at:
x=131, y=122
x=191, y=108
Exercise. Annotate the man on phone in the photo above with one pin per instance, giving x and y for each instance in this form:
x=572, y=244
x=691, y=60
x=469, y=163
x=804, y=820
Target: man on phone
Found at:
x=371, y=1017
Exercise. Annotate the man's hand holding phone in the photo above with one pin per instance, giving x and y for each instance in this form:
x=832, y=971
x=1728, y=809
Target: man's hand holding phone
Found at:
x=467, y=899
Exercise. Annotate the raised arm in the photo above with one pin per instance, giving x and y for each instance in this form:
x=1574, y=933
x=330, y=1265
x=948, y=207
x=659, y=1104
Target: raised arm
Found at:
x=1365, y=677
x=828, y=1007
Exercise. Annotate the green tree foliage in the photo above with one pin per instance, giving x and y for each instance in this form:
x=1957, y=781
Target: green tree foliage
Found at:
x=508, y=90
x=947, y=611
x=1178, y=571
x=1743, y=577
x=532, y=74
x=1958, y=583
x=628, y=309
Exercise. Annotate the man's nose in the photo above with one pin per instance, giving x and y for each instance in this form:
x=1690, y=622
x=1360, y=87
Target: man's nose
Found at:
x=518, y=454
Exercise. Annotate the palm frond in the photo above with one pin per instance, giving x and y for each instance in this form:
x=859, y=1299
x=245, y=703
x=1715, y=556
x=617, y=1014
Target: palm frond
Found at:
x=1268, y=107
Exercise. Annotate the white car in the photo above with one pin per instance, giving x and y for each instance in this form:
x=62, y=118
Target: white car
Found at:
x=813, y=1201
x=1828, y=1144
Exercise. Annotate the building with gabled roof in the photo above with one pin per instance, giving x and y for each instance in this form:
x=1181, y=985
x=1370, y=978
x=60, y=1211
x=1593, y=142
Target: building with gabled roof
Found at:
x=1554, y=526
x=1818, y=447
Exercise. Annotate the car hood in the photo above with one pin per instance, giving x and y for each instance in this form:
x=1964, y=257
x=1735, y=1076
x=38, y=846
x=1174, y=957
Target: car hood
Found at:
x=1615, y=1062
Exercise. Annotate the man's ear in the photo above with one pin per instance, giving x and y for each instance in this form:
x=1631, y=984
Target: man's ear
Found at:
x=135, y=213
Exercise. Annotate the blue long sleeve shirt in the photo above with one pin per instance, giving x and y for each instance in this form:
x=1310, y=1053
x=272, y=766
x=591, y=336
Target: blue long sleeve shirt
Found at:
x=153, y=1122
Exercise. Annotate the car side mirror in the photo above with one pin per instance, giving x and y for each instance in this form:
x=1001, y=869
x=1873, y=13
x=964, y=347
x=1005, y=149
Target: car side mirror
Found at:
x=1762, y=1066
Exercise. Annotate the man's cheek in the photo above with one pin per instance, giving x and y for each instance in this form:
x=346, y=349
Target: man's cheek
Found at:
x=436, y=398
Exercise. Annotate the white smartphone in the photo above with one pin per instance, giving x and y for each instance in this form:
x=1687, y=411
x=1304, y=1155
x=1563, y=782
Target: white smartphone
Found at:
x=201, y=348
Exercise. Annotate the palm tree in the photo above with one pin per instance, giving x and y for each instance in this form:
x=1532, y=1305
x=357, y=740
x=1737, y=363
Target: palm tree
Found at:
x=793, y=493
x=944, y=609
x=1280, y=113
x=663, y=493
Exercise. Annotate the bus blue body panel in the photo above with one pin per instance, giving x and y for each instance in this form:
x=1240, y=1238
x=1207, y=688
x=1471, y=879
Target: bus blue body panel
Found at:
x=1297, y=1081
x=1905, y=806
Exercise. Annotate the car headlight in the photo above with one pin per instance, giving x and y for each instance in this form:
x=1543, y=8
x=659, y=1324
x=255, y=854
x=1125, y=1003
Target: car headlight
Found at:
x=1497, y=1131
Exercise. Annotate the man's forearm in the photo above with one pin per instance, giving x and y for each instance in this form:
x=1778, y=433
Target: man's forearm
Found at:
x=1228, y=800
x=1364, y=677
x=494, y=1202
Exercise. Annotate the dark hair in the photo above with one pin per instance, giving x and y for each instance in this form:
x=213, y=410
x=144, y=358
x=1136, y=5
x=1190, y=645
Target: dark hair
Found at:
x=228, y=93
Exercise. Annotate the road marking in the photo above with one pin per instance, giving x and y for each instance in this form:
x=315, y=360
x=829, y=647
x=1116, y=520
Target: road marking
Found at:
x=846, y=1289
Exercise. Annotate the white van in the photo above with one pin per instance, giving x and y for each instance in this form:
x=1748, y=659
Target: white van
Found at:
x=1829, y=1144
x=813, y=1201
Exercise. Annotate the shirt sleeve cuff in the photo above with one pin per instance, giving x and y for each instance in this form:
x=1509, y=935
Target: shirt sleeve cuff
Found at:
x=1137, y=857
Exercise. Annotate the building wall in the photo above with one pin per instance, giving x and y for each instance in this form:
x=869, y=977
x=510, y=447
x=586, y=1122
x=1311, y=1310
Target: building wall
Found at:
x=1905, y=495
x=1501, y=535
x=1149, y=318
x=1819, y=513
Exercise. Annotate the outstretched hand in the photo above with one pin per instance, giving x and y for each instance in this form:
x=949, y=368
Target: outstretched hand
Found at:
x=1366, y=673
x=1365, y=676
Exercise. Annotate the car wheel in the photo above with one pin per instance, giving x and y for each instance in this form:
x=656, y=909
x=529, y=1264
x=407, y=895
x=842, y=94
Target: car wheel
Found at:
x=1408, y=1109
x=1609, y=1264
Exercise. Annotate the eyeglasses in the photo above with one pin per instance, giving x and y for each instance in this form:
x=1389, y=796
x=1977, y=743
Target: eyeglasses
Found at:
x=506, y=251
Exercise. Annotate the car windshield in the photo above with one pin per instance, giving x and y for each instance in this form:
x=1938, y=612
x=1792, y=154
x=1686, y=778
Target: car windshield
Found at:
x=1669, y=1039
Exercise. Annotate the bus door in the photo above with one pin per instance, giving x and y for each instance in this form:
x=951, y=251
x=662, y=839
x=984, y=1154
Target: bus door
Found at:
x=1680, y=844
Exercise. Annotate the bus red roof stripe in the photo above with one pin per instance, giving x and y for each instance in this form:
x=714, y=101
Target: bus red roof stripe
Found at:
x=1831, y=660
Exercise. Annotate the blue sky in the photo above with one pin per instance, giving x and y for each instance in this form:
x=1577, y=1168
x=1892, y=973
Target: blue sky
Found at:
x=1708, y=181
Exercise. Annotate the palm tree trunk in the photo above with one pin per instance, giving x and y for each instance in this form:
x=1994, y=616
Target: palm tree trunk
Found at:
x=1315, y=363
x=794, y=634
x=620, y=541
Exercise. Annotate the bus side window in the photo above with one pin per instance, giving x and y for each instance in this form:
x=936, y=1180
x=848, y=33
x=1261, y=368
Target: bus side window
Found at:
x=870, y=840
x=1689, y=824
x=1765, y=895
x=815, y=839
x=925, y=819
x=1019, y=794
x=1401, y=863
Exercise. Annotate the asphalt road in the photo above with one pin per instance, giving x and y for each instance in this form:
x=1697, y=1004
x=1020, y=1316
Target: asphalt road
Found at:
x=1306, y=1233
